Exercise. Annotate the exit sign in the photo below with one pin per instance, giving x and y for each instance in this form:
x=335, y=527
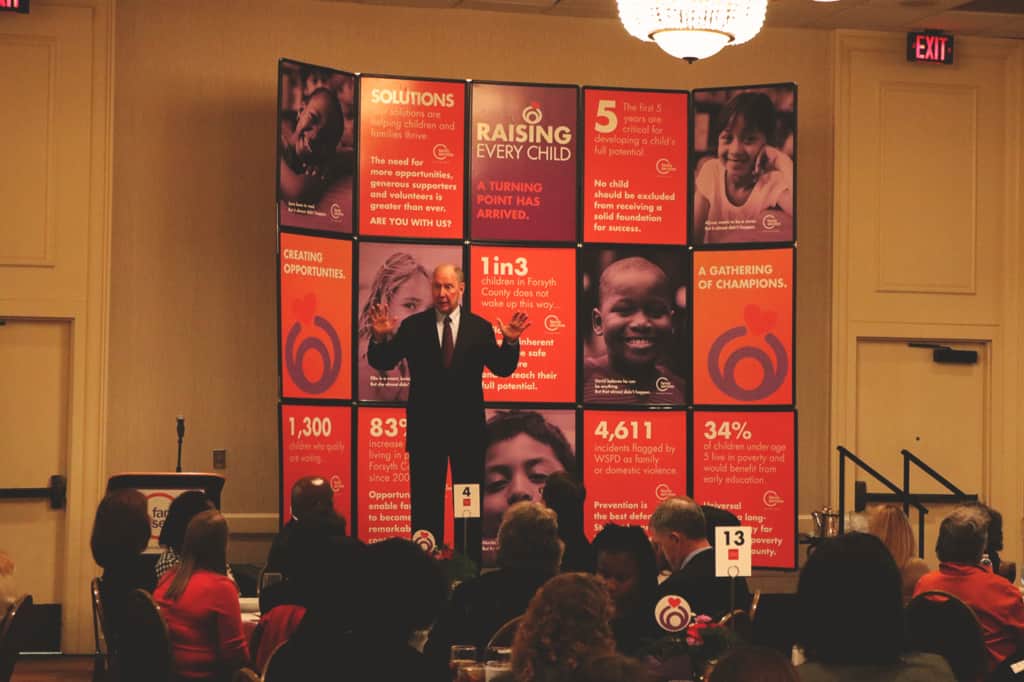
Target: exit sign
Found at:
x=930, y=46
x=14, y=6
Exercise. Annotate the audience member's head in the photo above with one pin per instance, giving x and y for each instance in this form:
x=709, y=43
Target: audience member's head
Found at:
x=528, y=538
x=716, y=517
x=402, y=590
x=889, y=524
x=678, y=528
x=121, y=529
x=850, y=602
x=566, y=624
x=753, y=664
x=184, y=507
x=962, y=536
x=322, y=564
x=312, y=496
x=564, y=495
x=205, y=549
x=626, y=563
x=612, y=668
x=994, y=527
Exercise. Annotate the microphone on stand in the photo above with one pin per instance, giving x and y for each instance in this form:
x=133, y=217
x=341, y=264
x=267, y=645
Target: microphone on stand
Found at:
x=181, y=437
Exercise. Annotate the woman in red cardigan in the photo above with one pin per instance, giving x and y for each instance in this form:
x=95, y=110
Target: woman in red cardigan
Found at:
x=200, y=605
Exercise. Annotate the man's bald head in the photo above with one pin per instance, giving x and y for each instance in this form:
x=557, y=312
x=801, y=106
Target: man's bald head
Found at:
x=449, y=282
x=312, y=496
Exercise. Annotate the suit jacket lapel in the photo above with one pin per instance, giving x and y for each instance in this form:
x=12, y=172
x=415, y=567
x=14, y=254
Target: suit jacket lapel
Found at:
x=461, y=340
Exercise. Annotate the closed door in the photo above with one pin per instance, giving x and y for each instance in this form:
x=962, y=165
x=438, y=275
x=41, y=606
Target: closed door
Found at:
x=937, y=411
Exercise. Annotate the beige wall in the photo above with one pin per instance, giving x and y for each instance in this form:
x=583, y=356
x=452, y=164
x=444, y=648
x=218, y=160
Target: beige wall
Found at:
x=193, y=315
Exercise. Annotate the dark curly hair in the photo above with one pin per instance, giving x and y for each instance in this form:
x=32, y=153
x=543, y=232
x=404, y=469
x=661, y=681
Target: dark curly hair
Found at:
x=566, y=624
x=508, y=424
x=182, y=510
x=121, y=528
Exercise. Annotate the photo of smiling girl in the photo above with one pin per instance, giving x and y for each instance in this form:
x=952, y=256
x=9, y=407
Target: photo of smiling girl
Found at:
x=744, y=172
x=637, y=346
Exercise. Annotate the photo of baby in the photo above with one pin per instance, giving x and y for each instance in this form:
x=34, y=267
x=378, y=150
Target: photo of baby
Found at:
x=744, y=182
x=316, y=147
x=522, y=448
x=636, y=300
x=398, y=275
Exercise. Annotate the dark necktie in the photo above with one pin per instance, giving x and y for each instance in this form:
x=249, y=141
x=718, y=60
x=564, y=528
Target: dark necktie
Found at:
x=447, y=344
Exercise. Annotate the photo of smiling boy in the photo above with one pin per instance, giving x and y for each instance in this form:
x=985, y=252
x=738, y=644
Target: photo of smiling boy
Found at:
x=635, y=344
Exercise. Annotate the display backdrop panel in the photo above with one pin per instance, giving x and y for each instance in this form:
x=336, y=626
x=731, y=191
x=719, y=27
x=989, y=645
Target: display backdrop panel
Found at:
x=522, y=161
x=316, y=317
x=316, y=440
x=412, y=144
x=744, y=165
x=632, y=461
x=540, y=282
x=400, y=276
x=524, y=447
x=636, y=340
x=316, y=156
x=743, y=327
x=745, y=462
x=382, y=477
x=635, y=169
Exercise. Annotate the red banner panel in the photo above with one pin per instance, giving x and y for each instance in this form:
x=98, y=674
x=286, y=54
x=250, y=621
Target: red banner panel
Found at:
x=745, y=462
x=635, y=166
x=411, y=151
x=522, y=161
x=743, y=327
x=382, y=475
x=316, y=314
x=524, y=447
x=635, y=346
x=631, y=462
x=316, y=147
x=540, y=282
x=316, y=440
x=744, y=165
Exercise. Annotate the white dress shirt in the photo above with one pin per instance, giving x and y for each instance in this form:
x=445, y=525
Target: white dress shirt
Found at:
x=456, y=315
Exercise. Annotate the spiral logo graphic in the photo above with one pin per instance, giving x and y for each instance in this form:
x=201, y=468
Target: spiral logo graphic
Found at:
x=770, y=222
x=663, y=166
x=771, y=498
x=424, y=539
x=673, y=613
x=553, y=323
x=293, y=356
x=772, y=374
x=532, y=114
x=442, y=152
x=663, y=492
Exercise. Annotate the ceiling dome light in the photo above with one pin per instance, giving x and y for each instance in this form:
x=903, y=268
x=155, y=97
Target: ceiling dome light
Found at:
x=693, y=29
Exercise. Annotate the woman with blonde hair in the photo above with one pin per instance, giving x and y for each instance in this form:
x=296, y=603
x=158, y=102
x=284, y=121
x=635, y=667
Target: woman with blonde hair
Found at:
x=200, y=604
x=567, y=624
x=889, y=524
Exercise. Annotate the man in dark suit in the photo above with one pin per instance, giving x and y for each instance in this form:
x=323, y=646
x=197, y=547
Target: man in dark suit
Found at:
x=446, y=349
x=678, y=531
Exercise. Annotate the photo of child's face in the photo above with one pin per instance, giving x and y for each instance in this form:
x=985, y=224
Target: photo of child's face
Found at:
x=739, y=146
x=515, y=470
x=635, y=313
x=411, y=297
x=318, y=128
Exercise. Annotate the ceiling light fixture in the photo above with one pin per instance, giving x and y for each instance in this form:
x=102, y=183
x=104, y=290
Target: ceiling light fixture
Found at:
x=693, y=29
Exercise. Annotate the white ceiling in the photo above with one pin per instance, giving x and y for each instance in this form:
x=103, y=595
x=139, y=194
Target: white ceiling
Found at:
x=881, y=15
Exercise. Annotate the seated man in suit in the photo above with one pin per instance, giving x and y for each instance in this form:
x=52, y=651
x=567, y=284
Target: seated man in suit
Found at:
x=678, y=531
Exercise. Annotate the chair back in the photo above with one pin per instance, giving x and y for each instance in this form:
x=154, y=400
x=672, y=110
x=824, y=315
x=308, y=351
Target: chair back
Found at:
x=144, y=650
x=739, y=622
x=99, y=632
x=939, y=623
x=14, y=633
x=246, y=675
x=277, y=668
x=505, y=634
x=774, y=621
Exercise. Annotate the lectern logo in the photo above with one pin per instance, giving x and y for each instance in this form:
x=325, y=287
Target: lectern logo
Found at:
x=773, y=371
x=424, y=539
x=294, y=357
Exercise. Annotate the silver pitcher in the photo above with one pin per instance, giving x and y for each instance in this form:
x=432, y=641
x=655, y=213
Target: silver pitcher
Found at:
x=826, y=522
